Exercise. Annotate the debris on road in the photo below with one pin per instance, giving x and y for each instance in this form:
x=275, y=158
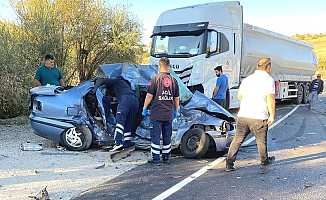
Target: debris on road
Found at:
x=29, y=146
x=42, y=195
x=61, y=148
x=118, y=155
x=4, y=156
x=100, y=167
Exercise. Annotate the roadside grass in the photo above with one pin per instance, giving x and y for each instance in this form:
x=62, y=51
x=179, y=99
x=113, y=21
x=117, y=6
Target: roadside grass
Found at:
x=20, y=120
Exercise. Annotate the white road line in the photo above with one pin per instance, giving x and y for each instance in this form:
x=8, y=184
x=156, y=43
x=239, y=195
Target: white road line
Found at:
x=245, y=143
x=192, y=177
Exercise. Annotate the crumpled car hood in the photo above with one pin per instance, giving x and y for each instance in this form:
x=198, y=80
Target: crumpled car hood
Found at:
x=195, y=109
x=142, y=74
x=200, y=102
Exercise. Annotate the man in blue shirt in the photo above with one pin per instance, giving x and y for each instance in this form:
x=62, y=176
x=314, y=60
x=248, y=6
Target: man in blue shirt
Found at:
x=219, y=93
x=48, y=73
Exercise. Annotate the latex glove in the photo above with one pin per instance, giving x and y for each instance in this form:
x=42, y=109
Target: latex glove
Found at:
x=145, y=112
x=175, y=114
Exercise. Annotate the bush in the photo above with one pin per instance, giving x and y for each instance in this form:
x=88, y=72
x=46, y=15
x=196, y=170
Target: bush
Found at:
x=14, y=94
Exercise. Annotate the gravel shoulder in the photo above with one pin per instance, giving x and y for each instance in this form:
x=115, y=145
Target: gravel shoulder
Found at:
x=65, y=173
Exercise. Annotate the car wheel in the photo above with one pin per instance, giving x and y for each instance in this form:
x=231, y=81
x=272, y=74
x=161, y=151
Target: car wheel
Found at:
x=194, y=143
x=77, y=138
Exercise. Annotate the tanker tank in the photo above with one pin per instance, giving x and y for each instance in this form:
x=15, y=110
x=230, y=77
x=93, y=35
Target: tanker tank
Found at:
x=292, y=60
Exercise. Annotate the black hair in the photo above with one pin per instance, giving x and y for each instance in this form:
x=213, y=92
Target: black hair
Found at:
x=218, y=68
x=48, y=57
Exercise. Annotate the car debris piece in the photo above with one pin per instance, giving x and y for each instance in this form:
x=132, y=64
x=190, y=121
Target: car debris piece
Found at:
x=118, y=155
x=28, y=146
x=61, y=148
x=42, y=195
x=307, y=185
x=100, y=167
x=4, y=156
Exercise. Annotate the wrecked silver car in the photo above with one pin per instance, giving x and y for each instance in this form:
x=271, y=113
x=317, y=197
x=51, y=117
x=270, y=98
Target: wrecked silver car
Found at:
x=77, y=117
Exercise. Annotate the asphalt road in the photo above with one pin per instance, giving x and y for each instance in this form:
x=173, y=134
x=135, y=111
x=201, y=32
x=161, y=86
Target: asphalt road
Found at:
x=297, y=140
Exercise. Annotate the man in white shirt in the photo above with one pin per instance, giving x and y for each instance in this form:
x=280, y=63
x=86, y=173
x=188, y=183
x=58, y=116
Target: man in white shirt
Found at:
x=257, y=110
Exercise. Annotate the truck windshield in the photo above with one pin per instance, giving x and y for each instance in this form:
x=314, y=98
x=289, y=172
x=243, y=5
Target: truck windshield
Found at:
x=177, y=45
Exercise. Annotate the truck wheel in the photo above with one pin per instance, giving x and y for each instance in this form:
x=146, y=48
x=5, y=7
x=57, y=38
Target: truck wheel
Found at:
x=297, y=100
x=78, y=138
x=305, y=99
x=194, y=143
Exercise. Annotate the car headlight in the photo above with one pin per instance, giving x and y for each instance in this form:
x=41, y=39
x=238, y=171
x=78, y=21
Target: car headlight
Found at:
x=226, y=126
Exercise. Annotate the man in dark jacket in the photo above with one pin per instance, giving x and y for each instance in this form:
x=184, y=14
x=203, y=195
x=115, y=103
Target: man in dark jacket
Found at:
x=316, y=87
x=126, y=110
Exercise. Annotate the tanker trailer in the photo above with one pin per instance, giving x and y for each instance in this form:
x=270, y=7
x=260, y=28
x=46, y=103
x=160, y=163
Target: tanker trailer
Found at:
x=198, y=38
x=293, y=61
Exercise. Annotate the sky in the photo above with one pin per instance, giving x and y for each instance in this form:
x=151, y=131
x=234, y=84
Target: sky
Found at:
x=287, y=17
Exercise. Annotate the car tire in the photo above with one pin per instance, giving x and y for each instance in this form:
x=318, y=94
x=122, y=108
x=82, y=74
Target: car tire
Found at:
x=194, y=143
x=77, y=138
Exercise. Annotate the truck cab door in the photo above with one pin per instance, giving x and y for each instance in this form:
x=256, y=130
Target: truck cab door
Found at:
x=224, y=48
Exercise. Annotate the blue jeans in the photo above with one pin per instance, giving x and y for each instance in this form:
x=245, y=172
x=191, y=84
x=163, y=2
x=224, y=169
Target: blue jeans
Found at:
x=220, y=102
x=244, y=126
x=313, y=97
x=164, y=127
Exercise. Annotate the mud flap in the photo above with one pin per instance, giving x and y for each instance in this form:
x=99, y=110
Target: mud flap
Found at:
x=118, y=155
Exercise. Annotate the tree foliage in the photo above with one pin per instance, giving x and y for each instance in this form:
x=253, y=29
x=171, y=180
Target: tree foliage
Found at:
x=81, y=34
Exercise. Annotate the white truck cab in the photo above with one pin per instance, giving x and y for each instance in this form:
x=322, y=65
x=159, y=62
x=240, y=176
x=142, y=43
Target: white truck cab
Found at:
x=198, y=38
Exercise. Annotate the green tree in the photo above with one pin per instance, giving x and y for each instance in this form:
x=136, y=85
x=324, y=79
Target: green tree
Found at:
x=81, y=34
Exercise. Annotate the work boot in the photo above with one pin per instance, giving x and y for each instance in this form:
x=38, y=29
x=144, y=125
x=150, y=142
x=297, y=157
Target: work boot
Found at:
x=117, y=147
x=229, y=168
x=156, y=162
x=166, y=160
x=269, y=161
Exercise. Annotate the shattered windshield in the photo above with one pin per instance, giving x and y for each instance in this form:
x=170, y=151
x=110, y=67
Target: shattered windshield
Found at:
x=187, y=45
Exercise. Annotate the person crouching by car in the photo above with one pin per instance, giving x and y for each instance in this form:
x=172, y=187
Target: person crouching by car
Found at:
x=126, y=110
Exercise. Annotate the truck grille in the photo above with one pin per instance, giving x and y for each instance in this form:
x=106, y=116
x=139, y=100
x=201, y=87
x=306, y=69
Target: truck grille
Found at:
x=184, y=75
